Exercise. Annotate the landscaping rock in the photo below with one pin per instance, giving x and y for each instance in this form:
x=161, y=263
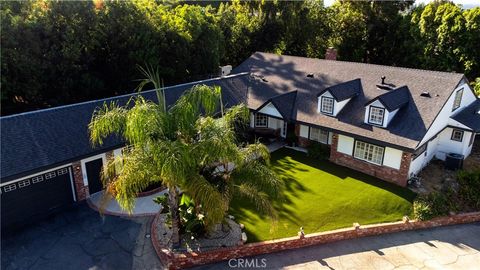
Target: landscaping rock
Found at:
x=223, y=235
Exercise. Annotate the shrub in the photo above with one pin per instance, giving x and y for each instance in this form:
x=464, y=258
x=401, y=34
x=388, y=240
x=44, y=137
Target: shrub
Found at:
x=318, y=150
x=163, y=201
x=469, y=190
x=432, y=205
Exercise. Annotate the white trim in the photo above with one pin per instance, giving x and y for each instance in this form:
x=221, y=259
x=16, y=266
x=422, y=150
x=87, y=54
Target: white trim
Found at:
x=70, y=173
x=84, y=169
x=33, y=175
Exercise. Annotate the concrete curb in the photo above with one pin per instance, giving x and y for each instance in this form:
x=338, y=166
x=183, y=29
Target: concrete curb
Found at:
x=179, y=260
x=106, y=212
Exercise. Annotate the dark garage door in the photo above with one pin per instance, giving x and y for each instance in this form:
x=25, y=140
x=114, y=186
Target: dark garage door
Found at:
x=94, y=168
x=34, y=198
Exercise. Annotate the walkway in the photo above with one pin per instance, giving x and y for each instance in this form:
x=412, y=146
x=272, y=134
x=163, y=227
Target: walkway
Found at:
x=452, y=247
x=144, y=206
x=276, y=145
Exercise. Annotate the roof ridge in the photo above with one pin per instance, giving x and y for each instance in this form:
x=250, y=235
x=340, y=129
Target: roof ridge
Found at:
x=361, y=63
x=122, y=96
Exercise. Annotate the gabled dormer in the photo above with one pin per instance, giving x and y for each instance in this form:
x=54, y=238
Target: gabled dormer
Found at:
x=381, y=110
x=333, y=99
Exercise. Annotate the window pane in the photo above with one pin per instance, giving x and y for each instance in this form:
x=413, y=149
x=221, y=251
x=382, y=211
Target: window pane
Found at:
x=376, y=115
x=327, y=105
x=369, y=152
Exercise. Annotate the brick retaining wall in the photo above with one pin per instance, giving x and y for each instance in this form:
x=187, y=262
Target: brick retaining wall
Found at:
x=188, y=259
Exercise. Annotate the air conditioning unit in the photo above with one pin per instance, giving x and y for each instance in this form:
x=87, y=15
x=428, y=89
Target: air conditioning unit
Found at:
x=225, y=70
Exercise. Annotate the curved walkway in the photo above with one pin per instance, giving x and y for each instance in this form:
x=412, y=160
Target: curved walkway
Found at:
x=450, y=247
x=144, y=206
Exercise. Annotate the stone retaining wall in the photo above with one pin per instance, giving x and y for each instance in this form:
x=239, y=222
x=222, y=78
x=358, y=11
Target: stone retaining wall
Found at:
x=187, y=259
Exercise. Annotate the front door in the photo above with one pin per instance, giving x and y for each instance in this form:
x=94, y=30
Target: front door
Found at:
x=93, y=169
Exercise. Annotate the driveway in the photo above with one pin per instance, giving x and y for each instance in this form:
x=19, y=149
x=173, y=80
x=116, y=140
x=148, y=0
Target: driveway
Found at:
x=453, y=247
x=81, y=239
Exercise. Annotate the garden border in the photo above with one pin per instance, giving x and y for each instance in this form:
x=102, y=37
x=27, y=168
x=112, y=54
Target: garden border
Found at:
x=179, y=260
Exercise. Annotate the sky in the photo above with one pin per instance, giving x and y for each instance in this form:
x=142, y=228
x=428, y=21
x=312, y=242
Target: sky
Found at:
x=465, y=3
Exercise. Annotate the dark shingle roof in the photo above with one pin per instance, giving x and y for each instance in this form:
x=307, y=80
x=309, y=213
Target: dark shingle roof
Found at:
x=394, y=99
x=285, y=104
x=470, y=116
x=40, y=139
x=345, y=90
x=286, y=73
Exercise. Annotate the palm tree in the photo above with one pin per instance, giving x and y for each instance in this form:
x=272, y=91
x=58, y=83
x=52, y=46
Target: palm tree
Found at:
x=187, y=146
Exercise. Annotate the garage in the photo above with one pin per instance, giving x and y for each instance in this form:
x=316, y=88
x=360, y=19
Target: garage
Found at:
x=36, y=197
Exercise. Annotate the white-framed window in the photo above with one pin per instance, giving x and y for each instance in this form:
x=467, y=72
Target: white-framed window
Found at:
x=261, y=120
x=24, y=183
x=458, y=99
x=326, y=105
x=50, y=175
x=319, y=135
x=369, y=152
x=9, y=187
x=37, y=179
x=62, y=171
x=457, y=135
x=376, y=115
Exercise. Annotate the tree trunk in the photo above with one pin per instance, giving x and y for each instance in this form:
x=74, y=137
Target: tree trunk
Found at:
x=173, y=205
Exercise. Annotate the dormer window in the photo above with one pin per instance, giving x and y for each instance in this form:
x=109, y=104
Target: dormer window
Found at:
x=327, y=105
x=376, y=115
x=458, y=99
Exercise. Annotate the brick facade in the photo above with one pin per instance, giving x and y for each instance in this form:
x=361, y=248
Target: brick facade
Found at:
x=302, y=142
x=80, y=188
x=179, y=260
x=392, y=175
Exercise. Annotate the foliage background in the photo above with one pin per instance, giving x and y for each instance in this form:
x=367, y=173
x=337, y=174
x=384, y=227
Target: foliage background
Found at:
x=61, y=52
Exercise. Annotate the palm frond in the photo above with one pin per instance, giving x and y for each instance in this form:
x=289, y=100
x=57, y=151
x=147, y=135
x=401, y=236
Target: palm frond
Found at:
x=260, y=199
x=153, y=76
x=107, y=120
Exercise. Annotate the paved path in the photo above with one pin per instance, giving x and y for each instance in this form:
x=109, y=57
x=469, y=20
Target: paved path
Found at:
x=143, y=205
x=81, y=239
x=453, y=247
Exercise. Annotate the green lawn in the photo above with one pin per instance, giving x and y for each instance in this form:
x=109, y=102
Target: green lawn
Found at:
x=320, y=196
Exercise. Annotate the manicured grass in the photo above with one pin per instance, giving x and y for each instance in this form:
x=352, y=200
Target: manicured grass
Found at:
x=320, y=196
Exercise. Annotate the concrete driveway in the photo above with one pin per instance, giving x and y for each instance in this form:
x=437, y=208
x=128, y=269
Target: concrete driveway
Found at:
x=453, y=247
x=81, y=239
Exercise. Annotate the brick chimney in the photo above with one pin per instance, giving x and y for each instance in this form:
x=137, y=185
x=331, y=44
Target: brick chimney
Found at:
x=331, y=54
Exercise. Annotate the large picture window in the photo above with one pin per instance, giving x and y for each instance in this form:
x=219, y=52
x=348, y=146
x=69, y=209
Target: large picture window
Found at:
x=458, y=99
x=327, y=105
x=261, y=120
x=376, y=115
x=369, y=152
x=319, y=135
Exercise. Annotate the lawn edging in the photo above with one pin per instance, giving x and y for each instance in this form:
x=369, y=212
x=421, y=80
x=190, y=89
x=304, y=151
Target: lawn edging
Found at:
x=179, y=260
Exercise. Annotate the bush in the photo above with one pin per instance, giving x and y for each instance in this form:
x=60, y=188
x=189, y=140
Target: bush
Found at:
x=469, y=190
x=318, y=150
x=432, y=205
x=163, y=201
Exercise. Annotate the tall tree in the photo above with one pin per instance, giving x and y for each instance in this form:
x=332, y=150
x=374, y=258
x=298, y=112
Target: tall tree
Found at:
x=184, y=147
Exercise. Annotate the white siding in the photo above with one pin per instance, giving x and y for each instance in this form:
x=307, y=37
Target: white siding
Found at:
x=303, y=131
x=330, y=135
x=345, y=144
x=270, y=109
x=339, y=106
x=446, y=145
x=443, y=117
x=252, y=120
x=392, y=158
x=390, y=116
